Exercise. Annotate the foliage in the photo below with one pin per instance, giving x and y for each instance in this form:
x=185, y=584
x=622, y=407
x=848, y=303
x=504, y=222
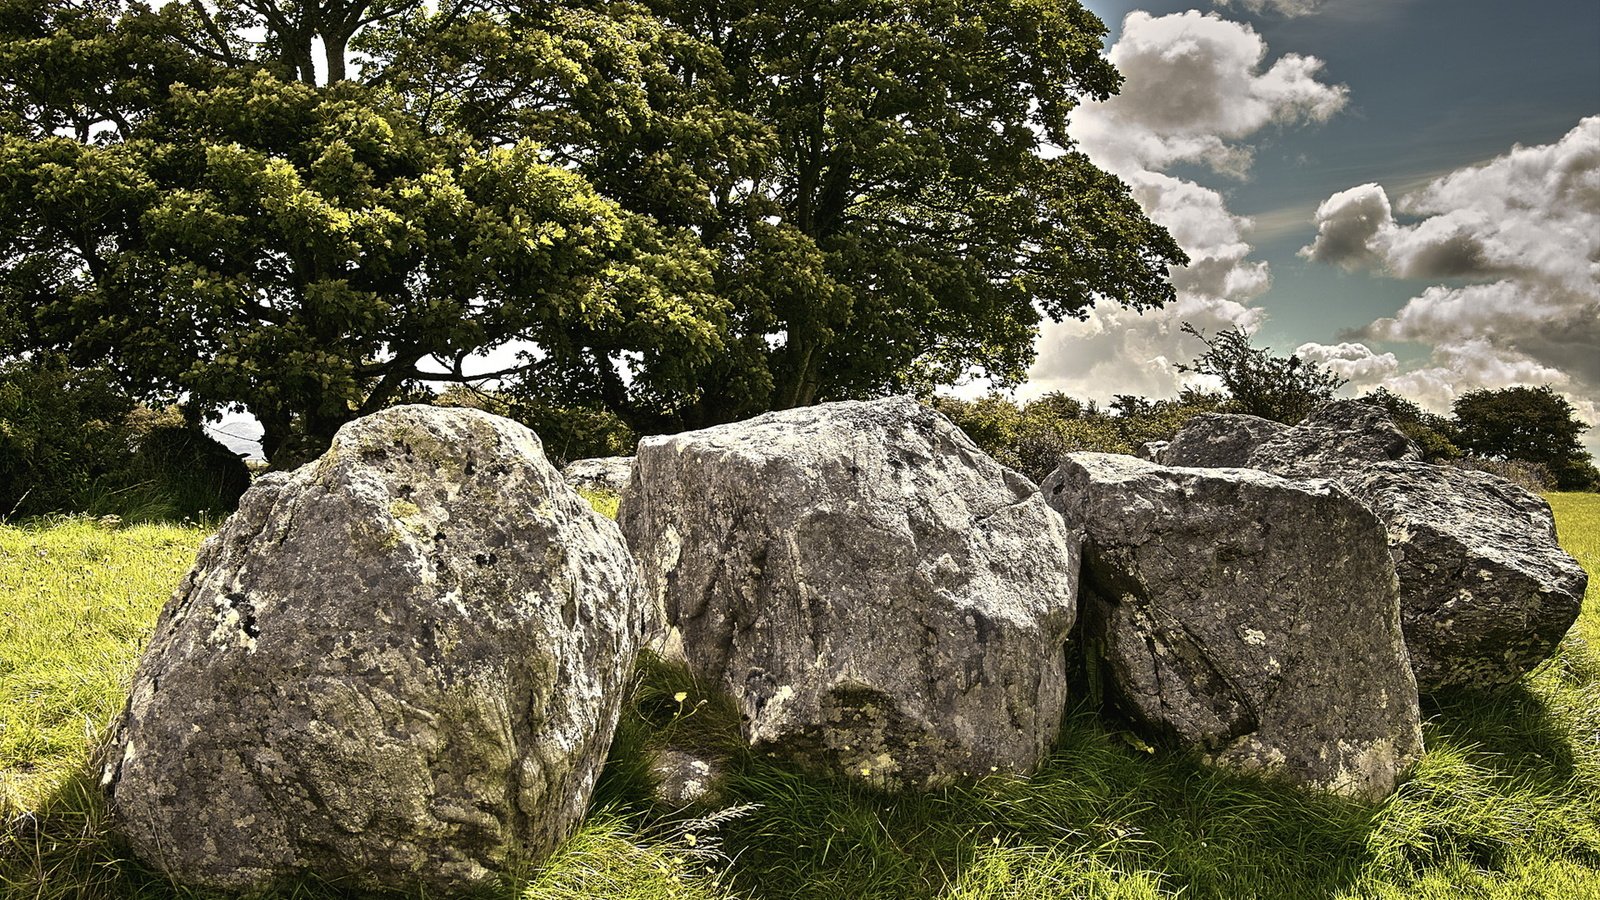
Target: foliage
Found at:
x=1031, y=438
x=1259, y=383
x=897, y=227
x=1433, y=433
x=1505, y=805
x=687, y=212
x=214, y=222
x=568, y=433
x=71, y=440
x=1535, y=425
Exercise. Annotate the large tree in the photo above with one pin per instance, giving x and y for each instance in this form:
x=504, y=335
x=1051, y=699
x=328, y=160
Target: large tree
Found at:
x=245, y=222
x=683, y=212
x=919, y=206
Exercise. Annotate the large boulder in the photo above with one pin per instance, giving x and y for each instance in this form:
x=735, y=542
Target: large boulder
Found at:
x=881, y=598
x=399, y=666
x=609, y=474
x=1486, y=591
x=1245, y=616
x=1218, y=439
x=1338, y=437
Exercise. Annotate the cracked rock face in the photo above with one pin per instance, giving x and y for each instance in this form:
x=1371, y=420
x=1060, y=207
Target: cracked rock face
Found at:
x=1487, y=592
x=398, y=665
x=881, y=598
x=1245, y=616
x=603, y=473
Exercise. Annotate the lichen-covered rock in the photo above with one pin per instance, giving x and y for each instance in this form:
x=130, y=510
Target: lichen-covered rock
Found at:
x=685, y=778
x=1338, y=437
x=1246, y=616
x=1486, y=591
x=881, y=598
x=604, y=473
x=1219, y=439
x=399, y=666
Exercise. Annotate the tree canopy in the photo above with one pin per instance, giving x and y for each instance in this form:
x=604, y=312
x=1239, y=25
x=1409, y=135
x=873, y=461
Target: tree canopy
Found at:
x=687, y=212
x=1533, y=424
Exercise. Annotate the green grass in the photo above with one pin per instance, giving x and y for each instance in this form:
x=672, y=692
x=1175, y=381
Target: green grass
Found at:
x=1505, y=806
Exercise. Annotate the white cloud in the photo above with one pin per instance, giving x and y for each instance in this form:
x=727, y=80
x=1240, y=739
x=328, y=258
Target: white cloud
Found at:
x=1523, y=230
x=1195, y=86
x=1357, y=362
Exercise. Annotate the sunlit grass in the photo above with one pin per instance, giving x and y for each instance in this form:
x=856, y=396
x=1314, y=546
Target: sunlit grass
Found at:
x=1506, y=803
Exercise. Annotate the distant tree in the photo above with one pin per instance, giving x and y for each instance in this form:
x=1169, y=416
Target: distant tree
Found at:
x=1533, y=424
x=1285, y=389
x=1032, y=438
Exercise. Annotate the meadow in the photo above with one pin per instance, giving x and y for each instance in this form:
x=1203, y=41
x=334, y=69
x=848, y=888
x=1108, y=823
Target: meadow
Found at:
x=1506, y=804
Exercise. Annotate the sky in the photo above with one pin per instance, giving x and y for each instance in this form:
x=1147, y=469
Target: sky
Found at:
x=1407, y=191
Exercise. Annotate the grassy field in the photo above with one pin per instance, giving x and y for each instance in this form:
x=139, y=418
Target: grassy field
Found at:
x=1505, y=805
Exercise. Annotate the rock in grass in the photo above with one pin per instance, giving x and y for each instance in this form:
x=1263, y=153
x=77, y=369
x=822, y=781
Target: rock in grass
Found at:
x=1245, y=616
x=881, y=598
x=604, y=473
x=1486, y=591
x=398, y=667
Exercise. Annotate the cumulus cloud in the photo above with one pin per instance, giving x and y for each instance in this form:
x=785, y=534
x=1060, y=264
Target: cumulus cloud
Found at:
x=1523, y=230
x=1196, y=86
x=1356, y=362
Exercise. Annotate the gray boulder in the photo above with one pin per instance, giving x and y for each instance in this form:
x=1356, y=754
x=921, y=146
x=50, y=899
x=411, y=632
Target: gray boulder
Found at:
x=1247, y=617
x=400, y=666
x=1219, y=439
x=1336, y=438
x=1486, y=591
x=605, y=473
x=880, y=597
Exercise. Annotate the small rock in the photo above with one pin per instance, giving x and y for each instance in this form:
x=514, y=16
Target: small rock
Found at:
x=605, y=473
x=687, y=779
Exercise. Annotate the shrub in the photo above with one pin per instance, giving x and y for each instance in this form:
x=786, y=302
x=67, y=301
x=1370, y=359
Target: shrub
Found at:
x=72, y=441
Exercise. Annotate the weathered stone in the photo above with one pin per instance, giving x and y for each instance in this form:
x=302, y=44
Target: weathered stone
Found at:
x=1337, y=437
x=399, y=665
x=684, y=778
x=1486, y=591
x=1152, y=450
x=605, y=473
x=1248, y=617
x=880, y=597
x=1218, y=440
